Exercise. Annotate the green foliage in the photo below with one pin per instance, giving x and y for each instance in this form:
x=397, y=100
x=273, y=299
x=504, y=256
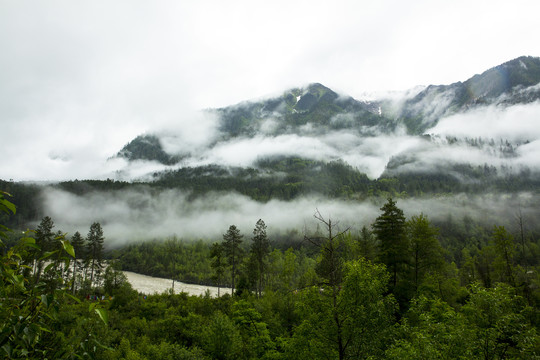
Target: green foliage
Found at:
x=504, y=261
x=24, y=198
x=390, y=229
x=94, y=251
x=431, y=330
x=221, y=338
x=353, y=322
x=256, y=341
x=260, y=248
x=31, y=305
x=218, y=263
x=426, y=252
x=317, y=303
x=493, y=324
x=188, y=261
x=233, y=252
x=500, y=324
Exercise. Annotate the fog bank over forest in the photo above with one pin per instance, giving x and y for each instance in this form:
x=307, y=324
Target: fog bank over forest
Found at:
x=142, y=214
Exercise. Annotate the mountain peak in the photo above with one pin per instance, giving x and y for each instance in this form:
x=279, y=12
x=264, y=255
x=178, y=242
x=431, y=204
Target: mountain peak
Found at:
x=502, y=84
x=523, y=71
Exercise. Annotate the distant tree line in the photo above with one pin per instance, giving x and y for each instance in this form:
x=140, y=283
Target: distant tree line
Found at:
x=290, y=178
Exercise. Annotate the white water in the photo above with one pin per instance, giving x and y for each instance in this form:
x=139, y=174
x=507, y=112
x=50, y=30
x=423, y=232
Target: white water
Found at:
x=150, y=285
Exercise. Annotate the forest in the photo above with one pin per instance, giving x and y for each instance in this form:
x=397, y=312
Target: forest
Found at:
x=403, y=288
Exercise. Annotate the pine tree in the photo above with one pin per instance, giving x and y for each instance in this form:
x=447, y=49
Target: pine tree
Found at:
x=233, y=252
x=260, y=248
x=366, y=244
x=94, y=246
x=426, y=252
x=390, y=230
x=44, y=239
x=505, y=248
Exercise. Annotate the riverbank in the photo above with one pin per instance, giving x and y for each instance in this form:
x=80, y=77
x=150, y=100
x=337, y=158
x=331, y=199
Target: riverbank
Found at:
x=150, y=285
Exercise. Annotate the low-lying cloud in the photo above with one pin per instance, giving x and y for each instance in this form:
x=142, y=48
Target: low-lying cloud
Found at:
x=369, y=154
x=144, y=213
x=514, y=123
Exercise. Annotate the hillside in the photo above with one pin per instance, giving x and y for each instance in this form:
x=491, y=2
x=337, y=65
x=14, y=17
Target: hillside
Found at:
x=379, y=139
x=316, y=110
x=510, y=83
x=315, y=106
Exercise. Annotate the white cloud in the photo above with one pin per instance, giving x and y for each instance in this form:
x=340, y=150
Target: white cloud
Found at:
x=80, y=80
x=515, y=123
x=529, y=155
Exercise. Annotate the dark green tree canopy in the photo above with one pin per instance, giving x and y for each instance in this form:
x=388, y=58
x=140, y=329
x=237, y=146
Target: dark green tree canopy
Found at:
x=94, y=243
x=260, y=248
x=233, y=252
x=390, y=229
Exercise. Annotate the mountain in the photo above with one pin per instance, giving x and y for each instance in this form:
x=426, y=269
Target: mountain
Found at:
x=315, y=105
x=314, y=109
x=510, y=83
x=314, y=140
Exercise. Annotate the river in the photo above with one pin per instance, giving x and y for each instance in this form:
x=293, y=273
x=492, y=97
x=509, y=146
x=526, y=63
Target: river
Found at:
x=150, y=285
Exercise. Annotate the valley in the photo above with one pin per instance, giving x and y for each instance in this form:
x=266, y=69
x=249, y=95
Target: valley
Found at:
x=290, y=225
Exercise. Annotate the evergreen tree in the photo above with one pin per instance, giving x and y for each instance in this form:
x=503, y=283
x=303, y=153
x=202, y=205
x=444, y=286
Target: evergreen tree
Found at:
x=426, y=252
x=233, y=252
x=505, y=248
x=260, y=248
x=94, y=246
x=390, y=230
x=366, y=244
x=44, y=240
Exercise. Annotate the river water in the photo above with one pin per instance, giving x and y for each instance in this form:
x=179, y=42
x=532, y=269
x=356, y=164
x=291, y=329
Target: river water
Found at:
x=150, y=285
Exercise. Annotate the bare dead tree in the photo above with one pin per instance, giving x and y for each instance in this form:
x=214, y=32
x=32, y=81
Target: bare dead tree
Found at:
x=330, y=268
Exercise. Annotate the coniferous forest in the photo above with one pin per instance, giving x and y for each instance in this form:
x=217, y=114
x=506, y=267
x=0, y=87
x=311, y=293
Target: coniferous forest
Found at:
x=400, y=288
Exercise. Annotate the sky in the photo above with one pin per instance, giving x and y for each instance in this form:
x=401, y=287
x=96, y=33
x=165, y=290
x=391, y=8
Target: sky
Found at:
x=78, y=80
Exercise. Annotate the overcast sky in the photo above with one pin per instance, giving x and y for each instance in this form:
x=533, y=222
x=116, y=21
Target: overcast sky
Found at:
x=80, y=79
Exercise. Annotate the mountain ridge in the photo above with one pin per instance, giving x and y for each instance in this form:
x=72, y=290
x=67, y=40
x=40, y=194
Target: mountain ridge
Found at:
x=316, y=111
x=436, y=101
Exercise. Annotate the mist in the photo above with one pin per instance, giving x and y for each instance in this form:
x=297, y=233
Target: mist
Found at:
x=143, y=214
x=514, y=123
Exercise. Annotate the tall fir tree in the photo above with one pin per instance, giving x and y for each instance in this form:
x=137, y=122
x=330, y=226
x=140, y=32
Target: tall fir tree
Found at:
x=260, y=248
x=505, y=249
x=426, y=251
x=233, y=252
x=94, y=246
x=390, y=229
x=44, y=240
